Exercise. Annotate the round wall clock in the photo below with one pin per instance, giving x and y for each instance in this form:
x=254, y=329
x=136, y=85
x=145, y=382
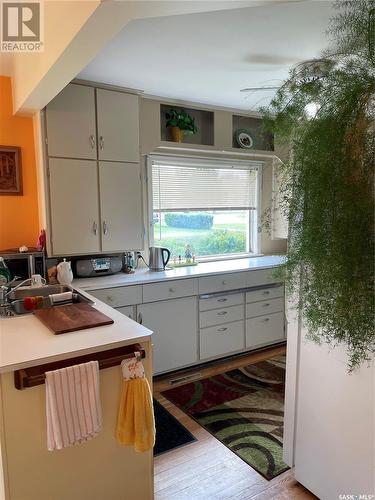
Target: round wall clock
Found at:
x=244, y=139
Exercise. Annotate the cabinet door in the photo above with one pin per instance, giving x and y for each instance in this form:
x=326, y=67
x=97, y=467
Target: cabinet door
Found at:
x=74, y=206
x=121, y=206
x=118, y=126
x=70, y=119
x=127, y=311
x=174, y=323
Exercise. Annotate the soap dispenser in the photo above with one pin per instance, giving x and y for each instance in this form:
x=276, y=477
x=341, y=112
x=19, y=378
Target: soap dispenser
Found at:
x=64, y=273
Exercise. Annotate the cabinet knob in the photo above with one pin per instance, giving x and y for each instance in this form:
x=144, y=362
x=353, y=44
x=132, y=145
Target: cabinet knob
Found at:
x=266, y=292
x=224, y=329
x=101, y=143
x=92, y=141
x=266, y=319
x=222, y=313
x=222, y=300
x=266, y=305
x=109, y=298
x=171, y=290
x=224, y=282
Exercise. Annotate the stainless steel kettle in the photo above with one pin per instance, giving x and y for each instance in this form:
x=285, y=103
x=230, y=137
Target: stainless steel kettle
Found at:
x=157, y=260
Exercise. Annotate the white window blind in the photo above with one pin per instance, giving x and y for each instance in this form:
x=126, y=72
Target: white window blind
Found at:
x=203, y=185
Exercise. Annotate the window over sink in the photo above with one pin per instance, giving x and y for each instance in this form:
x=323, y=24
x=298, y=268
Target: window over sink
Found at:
x=212, y=206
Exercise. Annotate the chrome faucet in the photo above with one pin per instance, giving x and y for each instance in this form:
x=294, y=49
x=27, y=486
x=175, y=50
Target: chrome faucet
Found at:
x=5, y=290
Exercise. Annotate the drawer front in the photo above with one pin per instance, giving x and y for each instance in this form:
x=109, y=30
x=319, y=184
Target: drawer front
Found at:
x=221, y=340
x=170, y=290
x=219, y=316
x=220, y=301
x=265, y=294
x=121, y=296
x=264, y=307
x=127, y=311
x=222, y=282
x=260, y=277
x=264, y=329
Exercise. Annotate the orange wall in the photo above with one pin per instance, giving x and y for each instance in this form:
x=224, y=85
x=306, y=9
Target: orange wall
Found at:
x=19, y=223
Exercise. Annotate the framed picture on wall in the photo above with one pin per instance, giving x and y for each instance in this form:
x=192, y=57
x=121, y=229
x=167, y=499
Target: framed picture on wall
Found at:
x=10, y=170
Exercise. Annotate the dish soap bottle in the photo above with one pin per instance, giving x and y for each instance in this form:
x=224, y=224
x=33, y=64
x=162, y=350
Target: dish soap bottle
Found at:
x=64, y=273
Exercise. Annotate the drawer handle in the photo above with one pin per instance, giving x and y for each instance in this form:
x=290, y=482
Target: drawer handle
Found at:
x=109, y=298
x=224, y=329
x=266, y=292
x=224, y=282
x=171, y=290
x=222, y=300
x=222, y=313
x=140, y=319
x=266, y=319
x=266, y=305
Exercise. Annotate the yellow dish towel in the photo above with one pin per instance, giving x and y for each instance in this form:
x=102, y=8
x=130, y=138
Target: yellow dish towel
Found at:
x=135, y=422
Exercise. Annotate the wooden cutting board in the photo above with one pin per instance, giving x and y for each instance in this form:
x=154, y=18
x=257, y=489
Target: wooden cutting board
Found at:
x=72, y=317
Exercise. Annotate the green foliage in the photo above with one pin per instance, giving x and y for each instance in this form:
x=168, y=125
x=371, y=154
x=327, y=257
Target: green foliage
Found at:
x=191, y=220
x=219, y=241
x=328, y=194
x=181, y=119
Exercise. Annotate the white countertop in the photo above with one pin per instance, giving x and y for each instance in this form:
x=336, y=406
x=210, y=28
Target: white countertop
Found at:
x=25, y=341
x=143, y=275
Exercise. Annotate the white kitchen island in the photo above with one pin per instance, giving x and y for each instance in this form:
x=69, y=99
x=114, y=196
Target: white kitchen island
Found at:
x=97, y=470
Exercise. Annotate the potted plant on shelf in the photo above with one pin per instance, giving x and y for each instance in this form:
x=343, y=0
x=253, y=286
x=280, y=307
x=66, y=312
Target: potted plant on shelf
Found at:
x=180, y=123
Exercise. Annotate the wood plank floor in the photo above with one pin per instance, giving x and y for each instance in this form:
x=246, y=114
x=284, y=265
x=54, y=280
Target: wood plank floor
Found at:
x=208, y=470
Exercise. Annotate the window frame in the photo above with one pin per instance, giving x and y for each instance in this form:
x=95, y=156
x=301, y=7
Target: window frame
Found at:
x=211, y=161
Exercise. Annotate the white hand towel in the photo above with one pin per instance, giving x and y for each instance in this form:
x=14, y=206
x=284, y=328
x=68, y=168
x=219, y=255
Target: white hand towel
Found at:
x=74, y=413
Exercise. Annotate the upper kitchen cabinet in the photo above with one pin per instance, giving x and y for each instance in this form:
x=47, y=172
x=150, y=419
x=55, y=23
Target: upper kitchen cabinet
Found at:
x=70, y=123
x=121, y=206
x=118, y=126
x=74, y=206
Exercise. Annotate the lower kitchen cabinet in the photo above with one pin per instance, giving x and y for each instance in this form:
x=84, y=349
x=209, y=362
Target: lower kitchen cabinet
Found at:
x=127, y=311
x=174, y=323
x=221, y=340
x=264, y=330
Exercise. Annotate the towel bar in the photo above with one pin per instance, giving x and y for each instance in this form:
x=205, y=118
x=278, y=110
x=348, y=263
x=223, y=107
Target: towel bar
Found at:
x=30, y=377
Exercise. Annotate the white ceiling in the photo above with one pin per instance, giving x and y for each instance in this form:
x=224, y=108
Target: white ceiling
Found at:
x=209, y=57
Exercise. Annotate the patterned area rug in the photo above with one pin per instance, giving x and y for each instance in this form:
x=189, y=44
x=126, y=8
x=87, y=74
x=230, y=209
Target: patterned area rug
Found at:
x=244, y=409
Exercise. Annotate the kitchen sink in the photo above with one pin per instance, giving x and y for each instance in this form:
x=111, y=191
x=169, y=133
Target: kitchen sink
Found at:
x=16, y=297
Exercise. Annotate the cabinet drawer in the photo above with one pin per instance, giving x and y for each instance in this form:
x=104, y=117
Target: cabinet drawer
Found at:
x=219, y=316
x=127, y=311
x=121, y=296
x=265, y=294
x=219, y=340
x=170, y=290
x=206, y=304
x=222, y=282
x=264, y=329
x=264, y=307
x=260, y=277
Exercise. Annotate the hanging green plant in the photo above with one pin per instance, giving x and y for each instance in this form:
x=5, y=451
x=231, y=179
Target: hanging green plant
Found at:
x=325, y=110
